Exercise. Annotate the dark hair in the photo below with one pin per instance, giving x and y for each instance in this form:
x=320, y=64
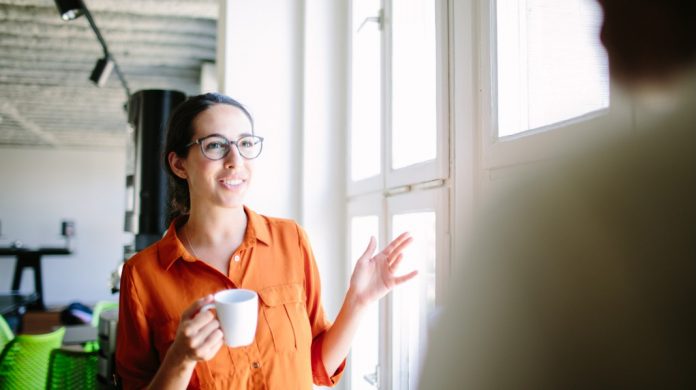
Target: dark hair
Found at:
x=649, y=39
x=179, y=133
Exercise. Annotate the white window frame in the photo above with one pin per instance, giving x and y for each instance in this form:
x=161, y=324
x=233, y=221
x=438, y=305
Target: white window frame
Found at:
x=543, y=142
x=439, y=167
x=424, y=171
x=368, y=205
x=372, y=183
x=478, y=157
x=434, y=200
x=421, y=186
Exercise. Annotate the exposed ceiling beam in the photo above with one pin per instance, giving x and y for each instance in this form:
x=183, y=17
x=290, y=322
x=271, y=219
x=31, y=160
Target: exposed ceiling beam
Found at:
x=31, y=32
x=11, y=111
x=119, y=49
x=82, y=71
x=60, y=57
x=48, y=16
x=206, y=9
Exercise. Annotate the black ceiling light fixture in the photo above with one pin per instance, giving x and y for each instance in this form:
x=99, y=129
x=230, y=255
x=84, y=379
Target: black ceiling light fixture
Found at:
x=70, y=9
x=73, y=9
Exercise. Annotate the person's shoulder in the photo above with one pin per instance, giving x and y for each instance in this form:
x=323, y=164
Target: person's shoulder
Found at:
x=274, y=222
x=281, y=222
x=143, y=259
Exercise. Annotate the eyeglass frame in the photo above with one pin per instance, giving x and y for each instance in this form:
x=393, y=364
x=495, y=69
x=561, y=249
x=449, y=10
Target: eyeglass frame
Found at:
x=229, y=142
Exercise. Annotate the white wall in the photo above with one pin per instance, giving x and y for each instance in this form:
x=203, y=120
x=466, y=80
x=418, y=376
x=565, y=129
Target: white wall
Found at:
x=259, y=63
x=286, y=60
x=292, y=77
x=41, y=187
x=324, y=134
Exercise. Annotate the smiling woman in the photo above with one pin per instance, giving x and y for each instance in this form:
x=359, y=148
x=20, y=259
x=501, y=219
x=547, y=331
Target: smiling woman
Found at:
x=215, y=243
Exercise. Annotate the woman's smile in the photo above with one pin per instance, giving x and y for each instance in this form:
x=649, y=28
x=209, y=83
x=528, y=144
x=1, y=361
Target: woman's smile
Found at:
x=232, y=183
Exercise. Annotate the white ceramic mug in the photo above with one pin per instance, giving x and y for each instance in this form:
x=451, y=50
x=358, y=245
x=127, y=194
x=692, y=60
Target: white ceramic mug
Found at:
x=237, y=310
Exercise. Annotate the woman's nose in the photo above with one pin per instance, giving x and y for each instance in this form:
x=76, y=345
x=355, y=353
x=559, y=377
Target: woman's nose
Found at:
x=233, y=158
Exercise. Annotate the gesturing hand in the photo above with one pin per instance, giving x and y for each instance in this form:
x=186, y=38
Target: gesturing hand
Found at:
x=373, y=276
x=199, y=336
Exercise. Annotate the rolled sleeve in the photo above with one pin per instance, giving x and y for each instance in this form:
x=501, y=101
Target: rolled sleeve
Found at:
x=319, y=374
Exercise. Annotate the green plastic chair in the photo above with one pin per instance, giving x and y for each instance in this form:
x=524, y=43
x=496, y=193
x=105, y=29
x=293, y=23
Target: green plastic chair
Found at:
x=6, y=334
x=99, y=308
x=24, y=361
x=72, y=370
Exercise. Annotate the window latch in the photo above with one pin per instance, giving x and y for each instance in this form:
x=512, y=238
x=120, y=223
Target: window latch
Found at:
x=379, y=19
x=373, y=378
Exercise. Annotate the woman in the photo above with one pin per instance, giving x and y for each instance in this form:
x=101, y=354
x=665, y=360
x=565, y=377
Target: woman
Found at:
x=217, y=243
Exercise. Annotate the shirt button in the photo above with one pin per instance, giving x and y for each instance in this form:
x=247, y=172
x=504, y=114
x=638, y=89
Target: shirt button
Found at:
x=236, y=258
x=256, y=365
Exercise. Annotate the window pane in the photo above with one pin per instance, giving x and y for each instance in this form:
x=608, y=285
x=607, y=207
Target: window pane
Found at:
x=414, y=100
x=414, y=302
x=551, y=64
x=366, y=113
x=365, y=349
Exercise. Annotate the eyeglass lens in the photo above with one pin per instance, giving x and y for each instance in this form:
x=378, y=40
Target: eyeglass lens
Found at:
x=216, y=147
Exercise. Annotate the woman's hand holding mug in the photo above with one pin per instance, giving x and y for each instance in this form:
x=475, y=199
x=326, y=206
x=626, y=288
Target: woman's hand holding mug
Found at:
x=199, y=336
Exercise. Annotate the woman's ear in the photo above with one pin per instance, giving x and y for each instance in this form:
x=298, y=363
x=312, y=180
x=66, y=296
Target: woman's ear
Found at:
x=177, y=165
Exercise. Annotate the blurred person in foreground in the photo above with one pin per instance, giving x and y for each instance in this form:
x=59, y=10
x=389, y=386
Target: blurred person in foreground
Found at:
x=586, y=277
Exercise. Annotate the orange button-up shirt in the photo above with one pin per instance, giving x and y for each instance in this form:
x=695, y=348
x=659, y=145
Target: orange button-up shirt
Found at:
x=276, y=261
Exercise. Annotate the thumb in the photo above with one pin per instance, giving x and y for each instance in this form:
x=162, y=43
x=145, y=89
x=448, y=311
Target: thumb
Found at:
x=369, y=250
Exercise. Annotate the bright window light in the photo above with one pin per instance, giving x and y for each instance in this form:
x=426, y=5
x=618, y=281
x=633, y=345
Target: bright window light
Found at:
x=414, y=100
x=366, y=101
x=551, y=66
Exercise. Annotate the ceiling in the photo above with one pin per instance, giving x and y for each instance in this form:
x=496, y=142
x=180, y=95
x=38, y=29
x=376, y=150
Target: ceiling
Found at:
x=46, y=97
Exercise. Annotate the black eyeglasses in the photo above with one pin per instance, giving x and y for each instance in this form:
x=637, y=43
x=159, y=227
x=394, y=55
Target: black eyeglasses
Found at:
x=216, y=146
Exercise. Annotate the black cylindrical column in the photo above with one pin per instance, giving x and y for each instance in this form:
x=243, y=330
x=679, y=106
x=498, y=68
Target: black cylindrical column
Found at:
x=149, y=112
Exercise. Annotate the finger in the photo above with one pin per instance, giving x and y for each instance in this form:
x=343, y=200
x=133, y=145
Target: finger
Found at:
x=192, y=326
x=214, y=337
x=401, y=247
x=210, y=345
x=395, y=242
x=370, y=248
x=404, y=278
x=195, y=306
x=212, y=349
x=397, y=260
x=200, y=337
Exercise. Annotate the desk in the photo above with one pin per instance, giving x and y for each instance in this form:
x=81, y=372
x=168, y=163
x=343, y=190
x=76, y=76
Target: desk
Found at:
x=31, y=258
x=10, y=303
x=79, y=334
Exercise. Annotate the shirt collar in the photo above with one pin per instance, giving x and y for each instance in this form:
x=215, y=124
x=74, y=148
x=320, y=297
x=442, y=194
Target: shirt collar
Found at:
x=257, y=229
x=171, y=248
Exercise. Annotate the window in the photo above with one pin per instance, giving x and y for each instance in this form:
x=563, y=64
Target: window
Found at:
x=544, y=80
x=413, y=94
x=366, y=96
x=551, y=65
x=399, y=175
x=413, y=306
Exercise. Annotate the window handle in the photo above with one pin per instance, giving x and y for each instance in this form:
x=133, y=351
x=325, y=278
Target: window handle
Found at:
x=373, y=378
x=379, y=19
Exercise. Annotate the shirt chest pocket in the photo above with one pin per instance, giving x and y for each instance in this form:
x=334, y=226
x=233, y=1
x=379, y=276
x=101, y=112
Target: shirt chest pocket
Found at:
x=285, y=313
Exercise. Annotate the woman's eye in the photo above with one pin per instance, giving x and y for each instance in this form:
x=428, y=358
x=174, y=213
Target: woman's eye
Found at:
x=245, y=143
x=214, y=146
